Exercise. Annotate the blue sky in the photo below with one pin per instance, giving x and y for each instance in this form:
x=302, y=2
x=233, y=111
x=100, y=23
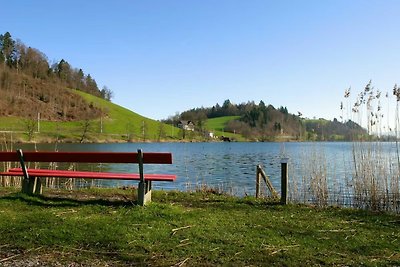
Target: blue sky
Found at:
x=167, y=56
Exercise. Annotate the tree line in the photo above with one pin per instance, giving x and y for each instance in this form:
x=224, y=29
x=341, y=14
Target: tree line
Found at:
x=254, y=121
x=15, y=55
x=265, y=122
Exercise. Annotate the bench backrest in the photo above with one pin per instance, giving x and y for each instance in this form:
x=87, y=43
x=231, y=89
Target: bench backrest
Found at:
x=89, y=157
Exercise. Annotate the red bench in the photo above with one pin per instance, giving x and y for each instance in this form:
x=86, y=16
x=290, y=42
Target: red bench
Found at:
x=32, y=184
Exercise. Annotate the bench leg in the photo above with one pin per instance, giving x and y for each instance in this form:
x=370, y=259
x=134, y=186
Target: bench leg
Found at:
x=144, y=192
x=32, y=186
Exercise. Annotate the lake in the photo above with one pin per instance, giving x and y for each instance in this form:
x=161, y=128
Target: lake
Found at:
x=231, y=167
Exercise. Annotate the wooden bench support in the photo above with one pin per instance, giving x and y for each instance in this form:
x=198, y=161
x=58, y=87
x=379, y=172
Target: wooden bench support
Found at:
x=144, y=187
x=144, y=193
x=32, y=186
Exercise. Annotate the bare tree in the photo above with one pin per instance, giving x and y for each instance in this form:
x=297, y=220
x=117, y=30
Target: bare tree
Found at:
x=85, y=126
x=29, y=126
x=107, y=93
x=130, y=129
x=144, y=129
x=161, y=131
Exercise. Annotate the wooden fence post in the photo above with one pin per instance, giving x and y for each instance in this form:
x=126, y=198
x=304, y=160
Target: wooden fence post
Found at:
x=261, y=174
x=258, y=181
x=284, y=180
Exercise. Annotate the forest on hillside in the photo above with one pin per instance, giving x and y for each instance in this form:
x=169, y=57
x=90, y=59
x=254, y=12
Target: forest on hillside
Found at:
x=265, y=122
x=29, y=85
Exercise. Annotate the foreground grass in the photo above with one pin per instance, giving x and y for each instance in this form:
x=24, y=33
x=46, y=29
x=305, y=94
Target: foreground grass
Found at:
x=104, y=227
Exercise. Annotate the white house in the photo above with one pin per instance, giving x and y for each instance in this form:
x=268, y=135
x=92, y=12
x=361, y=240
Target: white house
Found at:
x=186, y=125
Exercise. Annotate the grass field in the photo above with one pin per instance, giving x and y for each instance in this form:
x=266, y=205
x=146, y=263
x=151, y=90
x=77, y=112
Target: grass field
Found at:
x=120, y=119
x=118, y=124
x=103, y=227
x=217, y=125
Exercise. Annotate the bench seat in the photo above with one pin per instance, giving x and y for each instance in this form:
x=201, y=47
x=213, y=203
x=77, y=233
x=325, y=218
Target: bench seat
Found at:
x=89, y=175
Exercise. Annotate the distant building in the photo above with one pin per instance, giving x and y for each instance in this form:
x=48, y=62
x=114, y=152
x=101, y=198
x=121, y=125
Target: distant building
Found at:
x=186, y=125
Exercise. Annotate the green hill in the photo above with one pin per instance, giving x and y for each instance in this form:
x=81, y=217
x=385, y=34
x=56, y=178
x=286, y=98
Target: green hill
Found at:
x=39, y=102
x=114, y=124
x=217, y=126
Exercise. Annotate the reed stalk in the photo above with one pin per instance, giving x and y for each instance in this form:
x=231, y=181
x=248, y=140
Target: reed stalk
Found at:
x=372, y=177
x=7, y=144
x=375, y=177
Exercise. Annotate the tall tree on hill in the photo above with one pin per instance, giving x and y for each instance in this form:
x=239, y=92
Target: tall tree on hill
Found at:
x=20, y=50
x=227, y=103
x=106, y=93
x=229, y=109
x=79, y=79
x=31, y=61
x=63, y=71
x=40, y=66
x=264, y=116
x=2, y=59
x=91, y=85
x=7, y=48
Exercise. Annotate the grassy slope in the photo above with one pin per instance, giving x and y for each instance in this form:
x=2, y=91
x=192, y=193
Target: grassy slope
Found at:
x=217, y=125
x=120, y=119
x=102, y=228
x=115, y=125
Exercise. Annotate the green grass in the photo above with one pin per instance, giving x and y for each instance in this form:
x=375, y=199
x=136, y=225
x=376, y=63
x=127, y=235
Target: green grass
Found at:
x=103, y=227
x=119, y=118
x=117, y=124
x=217, y=125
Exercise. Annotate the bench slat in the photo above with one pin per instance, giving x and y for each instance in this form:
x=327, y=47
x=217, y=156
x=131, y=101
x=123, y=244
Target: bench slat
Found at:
x=89, y=157
x=8, y=156
x=90, y=175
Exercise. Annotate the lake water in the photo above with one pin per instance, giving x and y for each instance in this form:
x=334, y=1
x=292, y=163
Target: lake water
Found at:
x=232, y=166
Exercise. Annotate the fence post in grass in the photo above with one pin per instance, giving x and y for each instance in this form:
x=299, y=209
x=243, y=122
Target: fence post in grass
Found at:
x=284, y=180
x=258, y=181
x=261, y=174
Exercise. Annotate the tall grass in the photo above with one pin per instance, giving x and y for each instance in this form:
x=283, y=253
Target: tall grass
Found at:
x=317, y=178
x=372, y=178
x=7, y=143
x=375, y=178
x=376, y=171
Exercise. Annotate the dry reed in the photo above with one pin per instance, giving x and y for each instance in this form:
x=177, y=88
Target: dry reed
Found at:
x=372, y=179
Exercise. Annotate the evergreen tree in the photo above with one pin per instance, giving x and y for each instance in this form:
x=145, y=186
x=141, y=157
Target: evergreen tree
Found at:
x=63, y=71
x=7, y=48
x=91, y=85
x=80, y=79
